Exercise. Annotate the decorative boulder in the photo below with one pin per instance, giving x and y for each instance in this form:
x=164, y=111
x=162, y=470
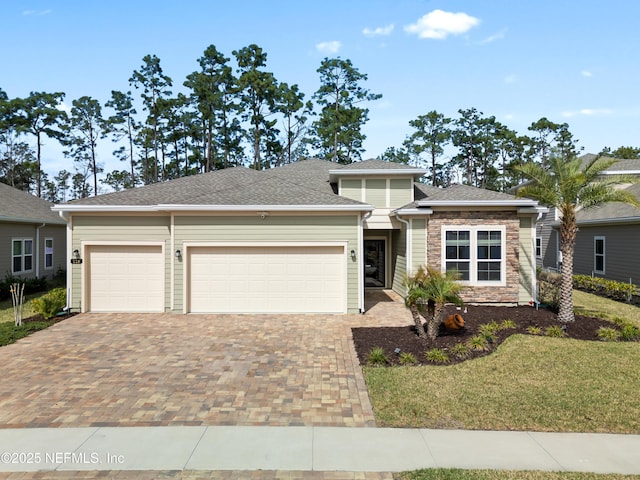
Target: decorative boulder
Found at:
x=454, y=322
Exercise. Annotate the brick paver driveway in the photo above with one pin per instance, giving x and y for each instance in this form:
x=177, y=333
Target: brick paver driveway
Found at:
x=163, y=369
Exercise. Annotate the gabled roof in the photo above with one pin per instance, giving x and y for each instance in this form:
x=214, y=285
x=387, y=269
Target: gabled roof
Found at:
x=22, y=207
x=375, y=167
x=301, y=186
x=465, y=195
x=612, y=212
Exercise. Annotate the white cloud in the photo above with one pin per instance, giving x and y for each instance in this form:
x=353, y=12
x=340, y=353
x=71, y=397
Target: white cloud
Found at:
x=496, y=36
x=329, y=47
x=439, y=24
x=37, y=12
x=586, y=73
x=378, y=32
x=588, y=112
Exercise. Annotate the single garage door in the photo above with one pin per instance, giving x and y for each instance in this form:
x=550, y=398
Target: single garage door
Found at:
x=267, y=279
x=125, y=278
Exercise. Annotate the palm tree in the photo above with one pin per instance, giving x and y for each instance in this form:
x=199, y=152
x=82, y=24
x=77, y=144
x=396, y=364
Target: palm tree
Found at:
x=570, y=184
x=434, y=289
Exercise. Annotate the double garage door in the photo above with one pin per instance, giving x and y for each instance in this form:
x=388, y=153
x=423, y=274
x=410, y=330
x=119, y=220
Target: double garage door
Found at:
x=220, y=279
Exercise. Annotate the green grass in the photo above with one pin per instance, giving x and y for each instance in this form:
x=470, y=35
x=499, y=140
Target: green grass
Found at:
x=457, y=474
x=529, y=383
x=9, y=333
x=6, y=308
x=592, y=305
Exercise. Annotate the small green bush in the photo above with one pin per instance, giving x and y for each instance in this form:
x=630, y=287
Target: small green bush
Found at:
x=534, y=330
x=629, y=332
x=507, y=325
x=549, y=289
x=619, y=291
x=608, y=334
x=407, y=358
x=478, y=343
x=49, y=304
x=376, y=356
x=437, y=355
x=489, y=331
x=555, y=331
x=31, y=285
x=461, y=351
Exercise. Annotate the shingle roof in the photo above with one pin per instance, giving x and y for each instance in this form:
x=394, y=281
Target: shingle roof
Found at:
x=422, y=190
x=458, y=192
x=611, y=211
x=19, y=206
x=373, y=164
x=312, y=173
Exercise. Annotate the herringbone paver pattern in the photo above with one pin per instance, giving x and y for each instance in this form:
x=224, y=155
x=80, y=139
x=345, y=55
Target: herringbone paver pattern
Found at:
x=164, y=369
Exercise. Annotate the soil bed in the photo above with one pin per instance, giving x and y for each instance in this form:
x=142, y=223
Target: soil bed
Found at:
x=405, y=338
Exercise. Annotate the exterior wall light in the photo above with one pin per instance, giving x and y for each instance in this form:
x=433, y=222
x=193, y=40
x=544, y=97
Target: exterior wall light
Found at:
x=178, y=254
x=76, y=254
x=353, y=254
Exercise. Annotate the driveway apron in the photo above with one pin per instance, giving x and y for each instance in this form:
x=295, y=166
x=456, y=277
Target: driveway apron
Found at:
x=165, y=369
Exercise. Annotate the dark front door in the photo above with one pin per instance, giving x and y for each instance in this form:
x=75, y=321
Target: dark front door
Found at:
x=374, y=263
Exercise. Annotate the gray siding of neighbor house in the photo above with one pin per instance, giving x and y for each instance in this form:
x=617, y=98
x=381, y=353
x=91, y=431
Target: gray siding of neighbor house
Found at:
x=622, y=257
x=544, y=230
x=117, y=228
x=275, y=228
x=9, y=231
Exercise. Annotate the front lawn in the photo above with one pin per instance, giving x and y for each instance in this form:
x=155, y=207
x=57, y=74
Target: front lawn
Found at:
x=457, y=474
x=529, y=383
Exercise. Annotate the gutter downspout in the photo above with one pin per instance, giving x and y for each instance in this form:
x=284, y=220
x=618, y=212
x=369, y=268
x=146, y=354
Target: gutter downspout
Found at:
x=37, y=252
x=408, y=243
x=360, y=259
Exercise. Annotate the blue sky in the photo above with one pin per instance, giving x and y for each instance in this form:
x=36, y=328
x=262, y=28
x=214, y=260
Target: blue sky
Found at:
x=569, y=61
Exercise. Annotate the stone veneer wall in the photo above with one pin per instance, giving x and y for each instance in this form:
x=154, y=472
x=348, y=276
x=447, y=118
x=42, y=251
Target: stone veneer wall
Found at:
x=474, y=294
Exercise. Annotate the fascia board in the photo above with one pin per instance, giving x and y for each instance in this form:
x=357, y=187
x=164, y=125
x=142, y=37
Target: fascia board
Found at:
x=7, y=219
x=211, y=208
x=606, y=221
x=477, y=203
x=413, y=211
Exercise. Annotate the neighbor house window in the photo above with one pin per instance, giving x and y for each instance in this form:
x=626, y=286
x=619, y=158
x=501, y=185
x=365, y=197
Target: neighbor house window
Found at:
x=48, y=253
x=598, y=254
x=538, y=247
x=476, y=253
x=22, y=255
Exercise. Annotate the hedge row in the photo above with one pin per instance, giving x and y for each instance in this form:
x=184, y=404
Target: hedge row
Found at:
x=549, y=285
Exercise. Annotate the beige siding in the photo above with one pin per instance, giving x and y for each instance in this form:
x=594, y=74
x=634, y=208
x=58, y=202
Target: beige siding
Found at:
x=376, y=193
x=351, y=189
x=527, y=261
x=398, y=260
x=401, y=192
x=275, y=228
x=120, y=229
x=418, y=243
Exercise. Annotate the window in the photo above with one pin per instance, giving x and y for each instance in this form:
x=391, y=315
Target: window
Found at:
x=598, y=255
x=22, y=255
x=538, y=247
x=48, y=253
x=476, y=253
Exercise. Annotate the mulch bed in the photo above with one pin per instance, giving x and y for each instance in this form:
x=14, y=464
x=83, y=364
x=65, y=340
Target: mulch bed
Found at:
x=405, y=338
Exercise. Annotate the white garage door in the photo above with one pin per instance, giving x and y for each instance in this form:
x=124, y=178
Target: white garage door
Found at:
x=267, y=279
x=125, y=278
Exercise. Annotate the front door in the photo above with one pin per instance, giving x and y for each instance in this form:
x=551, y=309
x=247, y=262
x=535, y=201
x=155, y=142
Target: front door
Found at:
x=374, y=263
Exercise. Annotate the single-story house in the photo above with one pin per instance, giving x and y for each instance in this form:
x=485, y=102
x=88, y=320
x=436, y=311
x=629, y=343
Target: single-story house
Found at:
x=308, y=237
x=32, y=237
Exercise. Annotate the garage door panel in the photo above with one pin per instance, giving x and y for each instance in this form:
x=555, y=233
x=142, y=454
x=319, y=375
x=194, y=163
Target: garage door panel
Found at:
x=125, y=278
x=267, y=279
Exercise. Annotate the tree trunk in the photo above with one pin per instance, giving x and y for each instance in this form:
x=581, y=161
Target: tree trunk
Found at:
x=418, y=321
x=568, y=230
x=435, y=318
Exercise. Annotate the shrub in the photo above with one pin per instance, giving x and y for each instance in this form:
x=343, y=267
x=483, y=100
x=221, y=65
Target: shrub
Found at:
x=31, y=285
x=607, y=334
x=630, y=332
x=407, y=358
x=489, y=331
x=555, y=331
x=549, y=289
x=437, y=355
x=619, y=291
x=461, y=351
x=534, y=330
x=478, y=343
x=376, y=356
x=49, y=304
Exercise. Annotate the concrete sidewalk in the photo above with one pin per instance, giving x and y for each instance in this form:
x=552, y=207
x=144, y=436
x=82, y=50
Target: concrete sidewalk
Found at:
x=311, y=449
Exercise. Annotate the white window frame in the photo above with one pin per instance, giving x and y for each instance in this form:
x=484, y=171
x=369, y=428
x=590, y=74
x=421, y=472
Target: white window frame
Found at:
x=473, y=261
x=538, y=247
x=603, y=254
x=47, y=253
x=22, y=255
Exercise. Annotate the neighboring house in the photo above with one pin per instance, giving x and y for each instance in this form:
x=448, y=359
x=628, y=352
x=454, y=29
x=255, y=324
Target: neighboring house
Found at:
x=308, y=237
x=32, y=237
x=607, y=238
